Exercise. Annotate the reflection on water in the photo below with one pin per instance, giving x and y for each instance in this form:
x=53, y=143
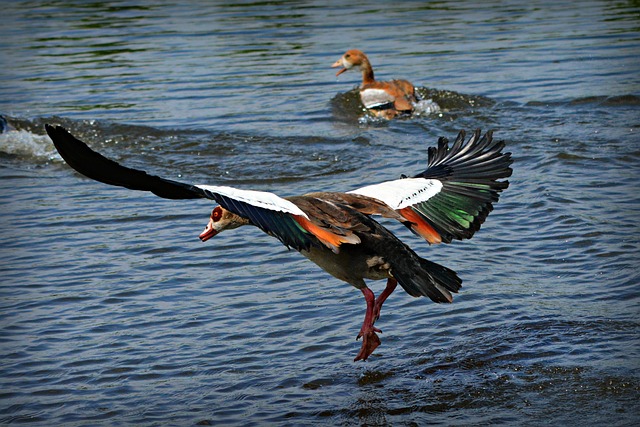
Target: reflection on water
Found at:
x=113, y=312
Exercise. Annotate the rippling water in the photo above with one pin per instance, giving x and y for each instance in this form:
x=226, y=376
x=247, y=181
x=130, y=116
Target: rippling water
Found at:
x=112, y=312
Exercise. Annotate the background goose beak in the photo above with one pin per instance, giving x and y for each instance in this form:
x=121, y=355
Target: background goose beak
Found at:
x=338, y=63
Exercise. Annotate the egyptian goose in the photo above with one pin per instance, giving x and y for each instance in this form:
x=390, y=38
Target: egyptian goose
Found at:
x=382, y=99
x=449, y=200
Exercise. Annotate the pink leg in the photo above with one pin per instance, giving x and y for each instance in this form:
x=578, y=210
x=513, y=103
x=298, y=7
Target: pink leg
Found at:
x=391, y=286
x=370, y=341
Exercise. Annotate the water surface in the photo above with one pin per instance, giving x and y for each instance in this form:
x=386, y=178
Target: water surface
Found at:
x=112, y=312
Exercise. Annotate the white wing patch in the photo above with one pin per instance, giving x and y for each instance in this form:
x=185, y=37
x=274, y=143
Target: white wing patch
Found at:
x=261, y=199
x=372, y=98
x=401, y=193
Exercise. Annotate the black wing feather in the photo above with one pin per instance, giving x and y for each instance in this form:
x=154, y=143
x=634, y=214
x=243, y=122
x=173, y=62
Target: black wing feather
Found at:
x=95, y=166
x=469, y=173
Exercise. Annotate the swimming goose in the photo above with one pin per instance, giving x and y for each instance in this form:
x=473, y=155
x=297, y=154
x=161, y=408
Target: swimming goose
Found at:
x=382, y=99
x=449, y=200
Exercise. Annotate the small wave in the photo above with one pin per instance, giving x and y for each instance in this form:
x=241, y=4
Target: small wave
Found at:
x=199, y=154
x=610, y=101
x=613, y=101
x=450, y=100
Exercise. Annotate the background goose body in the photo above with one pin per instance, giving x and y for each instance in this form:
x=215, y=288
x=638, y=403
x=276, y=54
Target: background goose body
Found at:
x=385, y=99
x=449, y=200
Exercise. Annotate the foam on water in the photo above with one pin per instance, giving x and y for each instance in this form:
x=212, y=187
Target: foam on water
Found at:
x=25, y=144
x=426, y=107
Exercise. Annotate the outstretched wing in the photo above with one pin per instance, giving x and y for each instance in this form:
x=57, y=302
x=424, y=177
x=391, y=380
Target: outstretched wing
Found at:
x=95, y=166
x=276, y=216
x=453, y=196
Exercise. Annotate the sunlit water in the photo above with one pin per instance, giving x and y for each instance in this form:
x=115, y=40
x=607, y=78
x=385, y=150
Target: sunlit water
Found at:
x=112, y=312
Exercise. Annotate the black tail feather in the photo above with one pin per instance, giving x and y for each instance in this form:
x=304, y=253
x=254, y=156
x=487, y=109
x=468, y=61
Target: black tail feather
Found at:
x=428, y=279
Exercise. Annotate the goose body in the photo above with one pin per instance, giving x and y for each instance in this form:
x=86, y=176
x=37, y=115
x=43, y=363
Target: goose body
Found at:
x=385, y=99
x=336, y=230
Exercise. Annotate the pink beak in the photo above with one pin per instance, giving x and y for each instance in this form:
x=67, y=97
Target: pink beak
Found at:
x=208, y=232
x=338, y=63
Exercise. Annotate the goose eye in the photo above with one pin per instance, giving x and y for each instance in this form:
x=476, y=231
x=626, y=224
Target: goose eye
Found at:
x=216, y=214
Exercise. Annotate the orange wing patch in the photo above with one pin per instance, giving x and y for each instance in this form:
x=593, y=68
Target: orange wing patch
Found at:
x=420, y=226
x=328, y=238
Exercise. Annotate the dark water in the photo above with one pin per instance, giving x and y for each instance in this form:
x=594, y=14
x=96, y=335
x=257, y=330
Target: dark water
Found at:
x=112, y=312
